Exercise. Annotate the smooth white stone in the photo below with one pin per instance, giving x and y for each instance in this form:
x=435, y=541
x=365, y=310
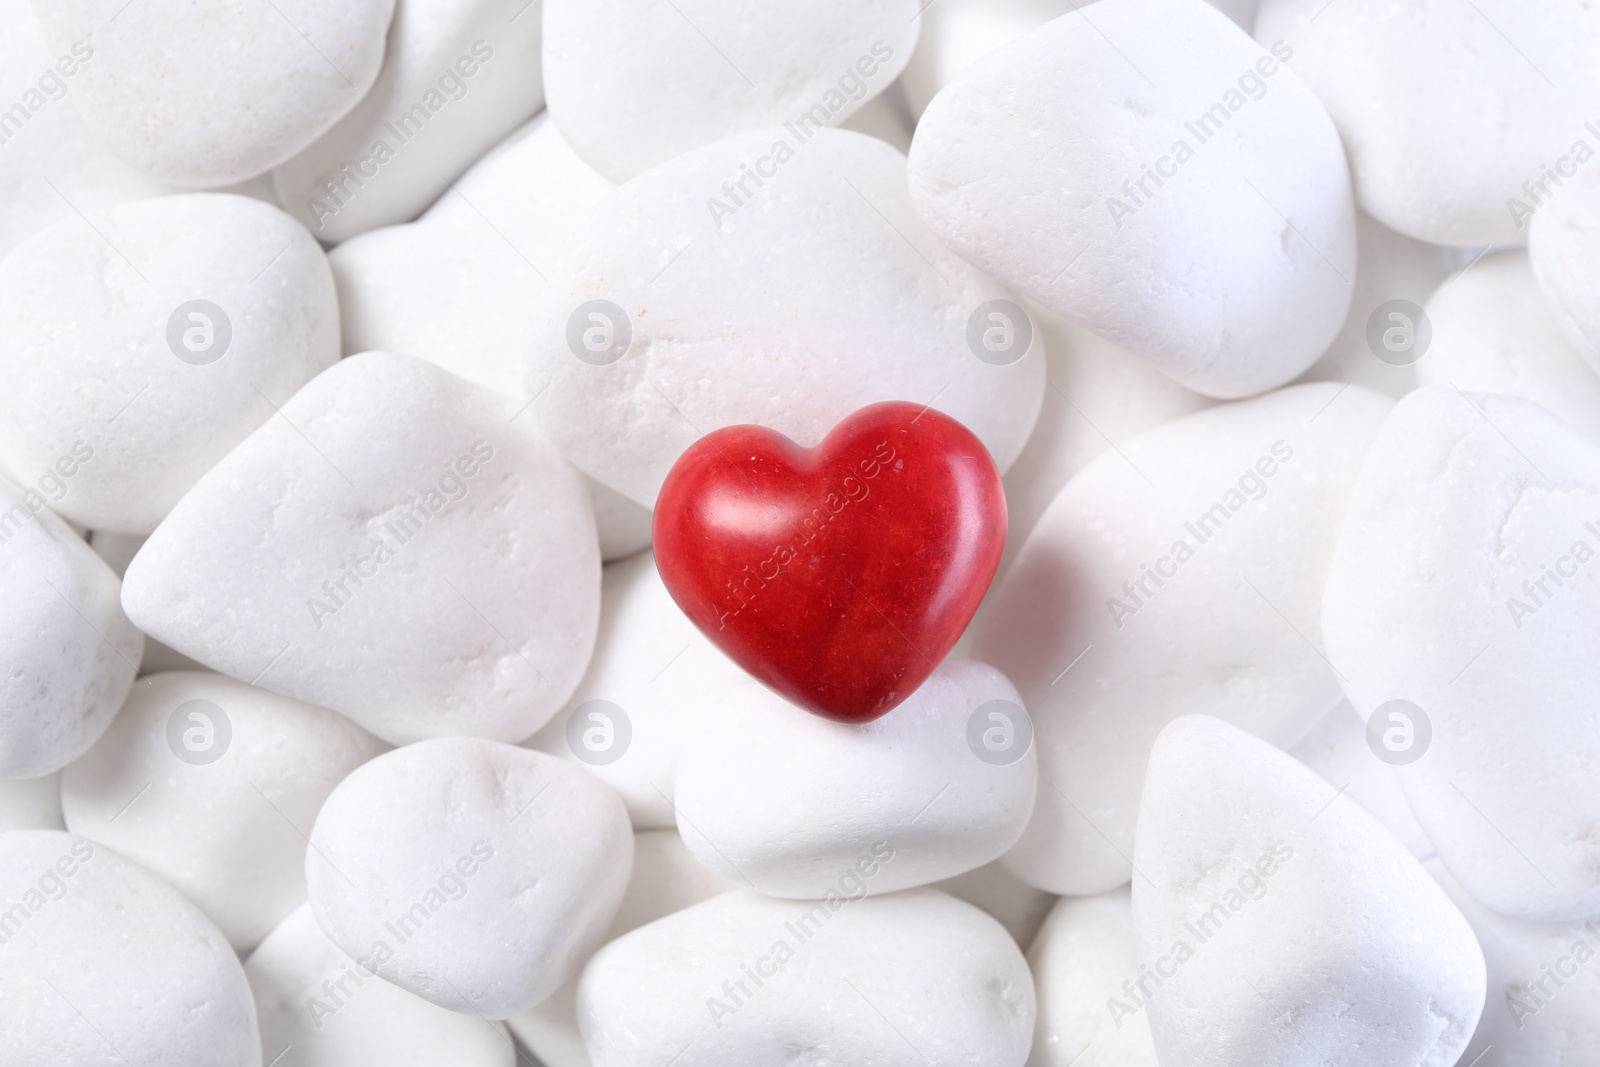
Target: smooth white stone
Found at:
x=1084, y=966
x=393, y=546
x=1464, y=503
x=679, y=78
x=175, y=386
x=1284, y=927
x=212, y=798
x=914, y=979
x=210, y=93
x=1231, y=630
x=820, y=294
x=105, y=964
x=1448, y=109
x=67, y=652
x=118, y=551
x=1230, y=269
x=458, y=75
x=784, y=800
x=474, y=874
x=1493, y=332
x=319, y=1008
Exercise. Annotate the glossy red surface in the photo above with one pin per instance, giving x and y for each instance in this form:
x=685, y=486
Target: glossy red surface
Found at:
x=841, y=575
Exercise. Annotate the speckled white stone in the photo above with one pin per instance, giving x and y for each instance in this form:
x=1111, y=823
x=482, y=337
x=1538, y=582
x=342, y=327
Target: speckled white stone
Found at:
x=318, y=1008
x=1284, y=926
x=393, y=545
x=633, y=84
x=67, y=652
x=1228, y=266
x=1104, y=663
x=227, y=833
x=213, y=92
x=861, y=306
x=102, y=302
x=474, y=874
x=785, y=801
x=104, y=965
x=857, y=978
x=1459, y=584
x=458, y=76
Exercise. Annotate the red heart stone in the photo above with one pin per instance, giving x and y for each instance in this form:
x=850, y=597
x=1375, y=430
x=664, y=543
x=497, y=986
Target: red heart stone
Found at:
x=840, y=575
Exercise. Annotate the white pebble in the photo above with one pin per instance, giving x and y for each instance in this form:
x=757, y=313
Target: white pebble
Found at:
x=319, y=1008
x=1204, y=221
x=1182, y=572
x=1083, y=967
x=744, y=979
x=790, y=305
x=195, y=316
x=1453, y=114
x=677, y=79
x=785, y=801
x=208, y=783
x=213, y=92
x=67, y=652
x=1278, y=923
x=457, y=77
x=1463, y=575
x=474, y=874
x=103, y=964
x=396, y=546
x=1493, y=332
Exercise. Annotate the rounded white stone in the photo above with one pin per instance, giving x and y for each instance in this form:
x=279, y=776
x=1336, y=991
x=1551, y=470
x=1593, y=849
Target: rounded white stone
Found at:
x=1453, y=114
x=1389, y=267
x=210, y=93
x=1493, y=332
x=457, y=77
x=1544, y=981
x=1084, y=972
x=118, y=551
x=914, y=979
x=651, y=665
x=67, y=652
x=319, y=1008
x=783, y=800
x=1284, y=925
x=104, y=964
x=1183, y=572
x=395, y=545
x=208, y=783
x=1562, y=239
x=1203, y=220
x=1464, y=575
x=791, y=306
x=634, y=84
x=474, y=874
x=193, y=317
x=666, y=878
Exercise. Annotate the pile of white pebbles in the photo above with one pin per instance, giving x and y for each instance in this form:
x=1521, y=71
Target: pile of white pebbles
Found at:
x=344, y=347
